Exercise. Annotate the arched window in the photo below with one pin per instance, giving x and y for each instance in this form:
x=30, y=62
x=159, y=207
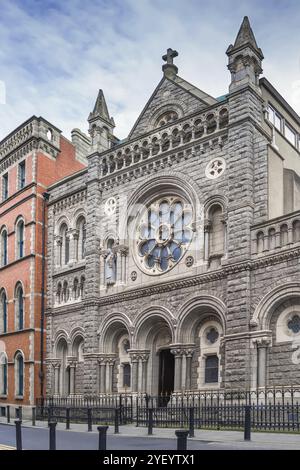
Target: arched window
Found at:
x=3, y=314
x=82, y=287
x=283, y=234
x=260, y=242
x=58, y=293
x=65, y=292
x=62, y=381
x=212, y=369
x=65, y=245
x=272, y=238
x=81, y=229
x=126, y=375
x=20, y=239
x=19, y=300
x=76, y=292
x=296, y=231
x=19, y=374
x=166, y=118
x=3, y=374
x=4, y=248
x=216, y=239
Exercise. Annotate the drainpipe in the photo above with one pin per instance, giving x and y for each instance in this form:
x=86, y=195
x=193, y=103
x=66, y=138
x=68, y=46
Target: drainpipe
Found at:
x=41, y=374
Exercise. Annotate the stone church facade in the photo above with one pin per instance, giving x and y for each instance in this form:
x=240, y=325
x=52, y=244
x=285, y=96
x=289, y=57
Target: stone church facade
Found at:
x=173, y=258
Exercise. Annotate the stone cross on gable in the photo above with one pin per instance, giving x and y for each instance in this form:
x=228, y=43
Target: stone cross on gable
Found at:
x=169, y=56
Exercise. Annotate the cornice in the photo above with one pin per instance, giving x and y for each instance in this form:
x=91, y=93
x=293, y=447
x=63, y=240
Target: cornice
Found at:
x=246, y=266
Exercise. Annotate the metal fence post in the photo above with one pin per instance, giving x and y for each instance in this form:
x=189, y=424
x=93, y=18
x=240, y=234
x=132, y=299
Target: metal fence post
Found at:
x=50, y=414
x=89, y=417
x=8, y=413
x=191, y=422
x=33, y=415
x=18, y=424
x=67, y=418
x=116, y=420
x=182, y=435
x=247, y=428
x=102, y=437
x=150, y=421
x=52, y=435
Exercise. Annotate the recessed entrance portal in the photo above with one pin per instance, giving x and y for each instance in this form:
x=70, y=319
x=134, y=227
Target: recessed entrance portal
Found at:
x=166, y=373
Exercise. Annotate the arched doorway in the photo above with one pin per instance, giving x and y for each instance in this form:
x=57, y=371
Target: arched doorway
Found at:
x=155, y=335
x=166, y=372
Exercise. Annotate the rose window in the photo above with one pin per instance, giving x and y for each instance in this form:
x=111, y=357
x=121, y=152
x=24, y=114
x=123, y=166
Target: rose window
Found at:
x=164, y=232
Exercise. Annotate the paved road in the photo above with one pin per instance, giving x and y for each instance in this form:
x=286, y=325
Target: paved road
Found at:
x=38, y=439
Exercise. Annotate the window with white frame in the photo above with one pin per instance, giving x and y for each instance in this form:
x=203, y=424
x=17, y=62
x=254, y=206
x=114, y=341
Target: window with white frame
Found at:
x=19, y=305
x=19, y=375
x=20, y=239
x=22, y=174
x=5, y=186
x=290, y=134
x=3, y=373
x=4, y=247
x=3, y=312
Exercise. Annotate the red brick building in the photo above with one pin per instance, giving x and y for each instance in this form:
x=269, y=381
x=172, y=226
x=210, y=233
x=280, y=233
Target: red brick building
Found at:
x=32, y=157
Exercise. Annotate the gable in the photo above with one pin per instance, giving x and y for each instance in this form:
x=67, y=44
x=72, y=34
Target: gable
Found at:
x=176, y=96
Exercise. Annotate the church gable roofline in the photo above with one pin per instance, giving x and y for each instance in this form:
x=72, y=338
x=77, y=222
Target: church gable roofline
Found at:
x=177, y=86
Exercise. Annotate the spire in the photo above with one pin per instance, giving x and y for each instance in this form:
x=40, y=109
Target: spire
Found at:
x=101, y=125
x=100, y=109
x=245, y=58
x=245, y=37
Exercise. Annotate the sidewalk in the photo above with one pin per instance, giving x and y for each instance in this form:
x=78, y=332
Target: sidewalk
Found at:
x=274, y=439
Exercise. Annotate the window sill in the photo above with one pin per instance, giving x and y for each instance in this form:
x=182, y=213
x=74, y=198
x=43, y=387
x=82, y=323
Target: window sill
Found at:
x=3, y=397
x=19, y=397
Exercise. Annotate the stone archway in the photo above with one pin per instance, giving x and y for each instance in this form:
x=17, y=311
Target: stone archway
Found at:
x=152, y=356
x=115, y=361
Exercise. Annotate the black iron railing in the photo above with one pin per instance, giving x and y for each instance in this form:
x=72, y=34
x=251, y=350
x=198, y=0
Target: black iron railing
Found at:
x=271, y=409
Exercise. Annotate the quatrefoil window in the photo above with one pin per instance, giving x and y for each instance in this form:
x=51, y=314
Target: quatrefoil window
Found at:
x=164, y=232
x=294, y=324
x=215, y=168
x=212, y=335
x=110, y=206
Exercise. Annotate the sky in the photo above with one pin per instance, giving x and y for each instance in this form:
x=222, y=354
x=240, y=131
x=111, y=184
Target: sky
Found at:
x=55, y=55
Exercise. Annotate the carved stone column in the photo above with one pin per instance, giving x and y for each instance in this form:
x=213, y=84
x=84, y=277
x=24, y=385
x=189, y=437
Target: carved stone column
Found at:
x=262, y=344
x=207, y=227
x=135, y=371
x=123, y=251
x=102, y=375
x=110, y=364
x=103, y=254
x=56, y=366
x=58, y=245
x=144, y=358
x=72, y=363
x=74, y=249
x=177, y=368
x=186, y=375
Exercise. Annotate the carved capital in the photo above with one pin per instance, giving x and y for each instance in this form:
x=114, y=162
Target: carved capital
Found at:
x=262, y=342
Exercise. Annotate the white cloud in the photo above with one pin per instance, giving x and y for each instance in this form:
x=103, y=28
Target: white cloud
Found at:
x=54, y=56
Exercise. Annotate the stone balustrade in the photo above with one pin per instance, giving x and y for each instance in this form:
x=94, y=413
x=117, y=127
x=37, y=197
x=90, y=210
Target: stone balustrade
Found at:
x=282, y=232
x=182, y=132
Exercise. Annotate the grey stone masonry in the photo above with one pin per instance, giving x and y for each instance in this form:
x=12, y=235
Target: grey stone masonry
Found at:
x=178, y=276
